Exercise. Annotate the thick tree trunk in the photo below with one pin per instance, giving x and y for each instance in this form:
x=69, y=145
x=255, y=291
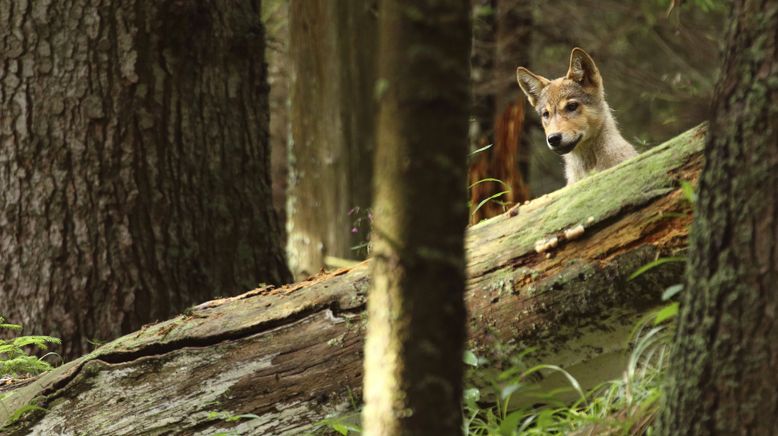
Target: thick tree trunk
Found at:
x=134, y=162
x=723, y=366
x=416, y=310
x=332, y=50
x=292, y=355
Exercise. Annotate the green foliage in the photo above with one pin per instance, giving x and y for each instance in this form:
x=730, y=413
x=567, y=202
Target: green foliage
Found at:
x=479, y=150
x=343, y=424
x=671, y=292
x=23, y=412
x=493, y=197
x=14, y=353
x=626, y=406
x=361, y=224
x=651, y=265
x=688, y=192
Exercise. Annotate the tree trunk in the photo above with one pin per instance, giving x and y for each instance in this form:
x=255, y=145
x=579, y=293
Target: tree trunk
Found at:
x=275, y=18
x=502, y=41
x=723, y=366
x=293, y=355
x=332, y=49
x=416, y=310
x=135, y=163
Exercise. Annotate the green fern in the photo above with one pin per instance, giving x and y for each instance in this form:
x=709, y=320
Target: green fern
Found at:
x=15, y=358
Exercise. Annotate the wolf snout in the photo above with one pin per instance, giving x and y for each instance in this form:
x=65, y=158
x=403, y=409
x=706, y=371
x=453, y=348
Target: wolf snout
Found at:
x=558, y=146
x=554, y=139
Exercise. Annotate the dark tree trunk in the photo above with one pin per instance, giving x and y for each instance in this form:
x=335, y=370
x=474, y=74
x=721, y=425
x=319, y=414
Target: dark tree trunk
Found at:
x=502, y=35
x=135, y=162
x=515, y=24
x=332, y=50
x=723, y=367
x=416, y=310
x=482, y=61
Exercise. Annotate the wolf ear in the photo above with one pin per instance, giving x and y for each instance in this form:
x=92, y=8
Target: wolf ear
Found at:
x=583, y=71
x=531, y=84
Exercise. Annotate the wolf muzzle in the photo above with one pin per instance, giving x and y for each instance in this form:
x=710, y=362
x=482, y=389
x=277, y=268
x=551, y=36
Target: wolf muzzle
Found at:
x=559, y=147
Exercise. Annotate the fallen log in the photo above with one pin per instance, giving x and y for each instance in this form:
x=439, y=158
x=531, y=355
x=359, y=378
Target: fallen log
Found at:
x=550, y=274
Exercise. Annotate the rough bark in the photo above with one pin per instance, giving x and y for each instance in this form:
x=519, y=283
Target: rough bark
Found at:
x=416, y=310
x=332, y=49
x=293, y=355
x=723, y=366
x=134, y=163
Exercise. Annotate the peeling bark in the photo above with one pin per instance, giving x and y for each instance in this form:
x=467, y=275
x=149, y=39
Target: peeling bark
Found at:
x=133, y=162
x=292, y=355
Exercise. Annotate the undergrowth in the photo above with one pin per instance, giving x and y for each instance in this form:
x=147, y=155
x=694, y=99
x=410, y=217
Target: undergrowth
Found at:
x=16, y=358
x=625, y=406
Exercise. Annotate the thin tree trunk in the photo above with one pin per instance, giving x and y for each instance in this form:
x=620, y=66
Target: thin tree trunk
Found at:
x=723, y=367
x=502, y=42
x=416, y=311
x=482, y=72
x=134, y=162
x=275, y=17
x=332, y=49
x=293, y=355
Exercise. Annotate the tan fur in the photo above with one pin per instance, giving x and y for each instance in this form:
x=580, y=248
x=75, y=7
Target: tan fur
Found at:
x=574, y=107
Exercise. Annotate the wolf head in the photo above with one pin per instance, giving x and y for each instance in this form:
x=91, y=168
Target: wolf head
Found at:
x=572, y=107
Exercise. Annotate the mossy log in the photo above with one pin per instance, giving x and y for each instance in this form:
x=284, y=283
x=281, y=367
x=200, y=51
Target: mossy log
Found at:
x=293, y=355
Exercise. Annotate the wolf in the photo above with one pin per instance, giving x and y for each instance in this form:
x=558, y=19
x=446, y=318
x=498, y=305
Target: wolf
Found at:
x=578, y=122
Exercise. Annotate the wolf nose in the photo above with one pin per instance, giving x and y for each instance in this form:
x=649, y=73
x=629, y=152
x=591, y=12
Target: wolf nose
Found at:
x=554, y=139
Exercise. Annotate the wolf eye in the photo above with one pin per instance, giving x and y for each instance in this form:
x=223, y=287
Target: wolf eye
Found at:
x=545, y=114
x=571, y=106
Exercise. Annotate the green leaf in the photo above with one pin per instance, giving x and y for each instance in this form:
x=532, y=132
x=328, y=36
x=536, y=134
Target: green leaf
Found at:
x=510, y=423
x=508, y=390
x=654, y=264
x=489, y=179
x=472, y=395
x=486, y=200
x=688, y=191
x=671, y=292
x=570, y=379
x=470, y=358
x=666, y=313
x=510, y=372
x=340, y=428
x=484, y=148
